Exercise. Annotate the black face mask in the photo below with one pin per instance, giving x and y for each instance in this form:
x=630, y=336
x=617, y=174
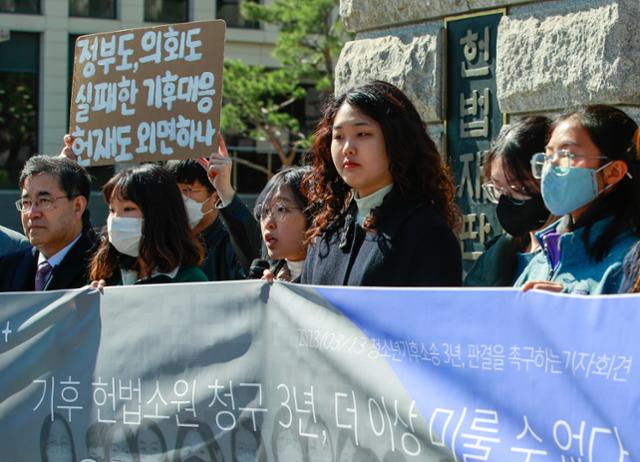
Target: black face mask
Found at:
x=519, y=217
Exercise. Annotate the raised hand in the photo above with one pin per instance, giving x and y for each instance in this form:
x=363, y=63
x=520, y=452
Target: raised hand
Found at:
x=219, y=167
x=66, y=150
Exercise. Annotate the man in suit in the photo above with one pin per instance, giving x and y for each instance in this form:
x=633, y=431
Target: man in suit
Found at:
x=54, y=193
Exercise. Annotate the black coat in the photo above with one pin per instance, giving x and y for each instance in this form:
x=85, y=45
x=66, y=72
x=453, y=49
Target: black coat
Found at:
x=231, y=243
x=497, y=266
x=412, y=246
x=18, y=270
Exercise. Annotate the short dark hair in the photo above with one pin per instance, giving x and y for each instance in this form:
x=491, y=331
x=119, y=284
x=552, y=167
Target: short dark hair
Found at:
x=291, y=177
x=515, y=146
x=188, y=171
x=73, y=179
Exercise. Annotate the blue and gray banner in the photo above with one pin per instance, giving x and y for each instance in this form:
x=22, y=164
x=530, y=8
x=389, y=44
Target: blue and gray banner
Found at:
x=245, y=371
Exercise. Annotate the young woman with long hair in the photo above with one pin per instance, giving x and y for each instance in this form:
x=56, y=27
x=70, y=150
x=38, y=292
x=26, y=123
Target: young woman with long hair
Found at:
x=386, y=214
x=148, y=238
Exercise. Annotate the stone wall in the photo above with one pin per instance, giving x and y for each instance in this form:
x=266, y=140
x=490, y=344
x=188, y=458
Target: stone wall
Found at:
x=550, y=54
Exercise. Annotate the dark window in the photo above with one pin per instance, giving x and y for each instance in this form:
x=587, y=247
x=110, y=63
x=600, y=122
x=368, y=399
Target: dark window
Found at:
x=19, y=89
x=20, y=6
x=229, y=10
x=93, y=8
x=166, y=10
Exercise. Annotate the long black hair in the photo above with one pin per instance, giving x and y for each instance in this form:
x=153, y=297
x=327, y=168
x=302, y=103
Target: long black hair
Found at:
x=45, y=432
x=613, y=132
x=417, y=169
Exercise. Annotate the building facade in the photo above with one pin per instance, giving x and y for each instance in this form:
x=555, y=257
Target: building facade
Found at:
x=36, y=63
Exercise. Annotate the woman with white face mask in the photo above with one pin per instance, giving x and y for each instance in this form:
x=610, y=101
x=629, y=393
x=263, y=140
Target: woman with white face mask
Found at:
x=148, y=239
x=589, y=177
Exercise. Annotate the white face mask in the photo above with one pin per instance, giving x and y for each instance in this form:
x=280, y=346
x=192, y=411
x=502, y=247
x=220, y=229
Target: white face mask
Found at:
x=194, y=210
x=125, y=234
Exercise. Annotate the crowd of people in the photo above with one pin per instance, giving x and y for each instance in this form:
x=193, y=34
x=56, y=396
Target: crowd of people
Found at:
x=372, y=206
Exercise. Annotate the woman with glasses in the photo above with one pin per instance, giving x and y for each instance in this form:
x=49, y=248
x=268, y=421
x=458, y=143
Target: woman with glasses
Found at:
x=386, y=214
x=283, y=212
x=589, y=177
x=520, y=208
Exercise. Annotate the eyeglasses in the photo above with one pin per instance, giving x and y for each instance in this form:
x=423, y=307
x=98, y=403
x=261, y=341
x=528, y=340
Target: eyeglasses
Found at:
x=493, y=192
x=42, y=203
x=189, y=191
x=561, y=160
x=279, y=212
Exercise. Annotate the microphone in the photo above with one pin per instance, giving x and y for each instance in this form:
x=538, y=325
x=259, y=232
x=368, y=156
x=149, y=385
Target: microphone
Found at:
x=257, y=268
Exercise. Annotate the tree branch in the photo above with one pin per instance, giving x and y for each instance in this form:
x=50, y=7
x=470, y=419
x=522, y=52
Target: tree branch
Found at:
x=253, y=165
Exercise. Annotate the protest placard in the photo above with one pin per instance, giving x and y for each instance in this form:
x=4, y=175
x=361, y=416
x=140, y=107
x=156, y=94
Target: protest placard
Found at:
x=147, y=94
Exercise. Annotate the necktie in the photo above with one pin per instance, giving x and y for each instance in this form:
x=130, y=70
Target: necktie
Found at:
x=42, y=275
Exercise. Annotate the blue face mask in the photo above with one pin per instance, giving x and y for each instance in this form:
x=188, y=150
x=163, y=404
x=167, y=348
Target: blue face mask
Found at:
x=566, y=190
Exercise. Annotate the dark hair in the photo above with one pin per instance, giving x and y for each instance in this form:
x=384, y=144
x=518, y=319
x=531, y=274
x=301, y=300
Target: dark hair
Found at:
x=515, y=146
x=612, y=131
x=167, y=240
x=153, y=427
x=207, y=436
x=45, y=431
x=291, y=177
x=130, y=439
x=415, y=165
x=96, y=435
x=247, y=425
x=187, y=171
x=73, y=179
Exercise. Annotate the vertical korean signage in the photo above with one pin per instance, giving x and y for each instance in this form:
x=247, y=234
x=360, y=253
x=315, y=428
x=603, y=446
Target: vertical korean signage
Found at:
x=473, y=120
x=147, y=94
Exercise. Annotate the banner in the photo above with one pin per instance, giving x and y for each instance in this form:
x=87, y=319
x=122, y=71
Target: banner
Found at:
x=147, y=94
x=239, y=371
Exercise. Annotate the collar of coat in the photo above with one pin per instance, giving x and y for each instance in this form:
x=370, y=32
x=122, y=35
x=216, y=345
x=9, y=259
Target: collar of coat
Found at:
x=397, y=209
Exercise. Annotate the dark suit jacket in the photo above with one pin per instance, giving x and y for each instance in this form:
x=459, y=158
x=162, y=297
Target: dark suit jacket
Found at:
x=18, y=270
